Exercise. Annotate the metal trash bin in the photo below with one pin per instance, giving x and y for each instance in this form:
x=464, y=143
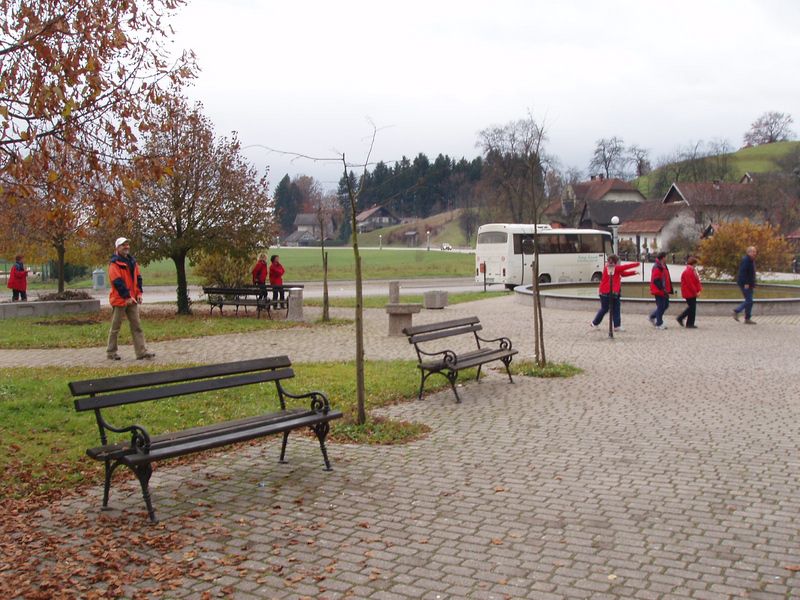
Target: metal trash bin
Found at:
x=98, y=279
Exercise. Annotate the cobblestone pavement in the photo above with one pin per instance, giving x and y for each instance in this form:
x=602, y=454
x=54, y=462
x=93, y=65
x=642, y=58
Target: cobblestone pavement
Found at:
x=668, y=469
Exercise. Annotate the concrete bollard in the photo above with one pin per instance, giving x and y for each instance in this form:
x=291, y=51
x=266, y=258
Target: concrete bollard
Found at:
x=295, y=300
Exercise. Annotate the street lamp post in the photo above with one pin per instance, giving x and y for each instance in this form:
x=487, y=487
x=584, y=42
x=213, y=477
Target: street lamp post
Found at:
x=380, y=241
x=614, y=238
x=610, y=267
x=428, y=234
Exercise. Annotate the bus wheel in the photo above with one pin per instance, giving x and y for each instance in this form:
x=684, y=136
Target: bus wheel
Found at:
x=510, y=286
x=544, y=278
x=596, y=277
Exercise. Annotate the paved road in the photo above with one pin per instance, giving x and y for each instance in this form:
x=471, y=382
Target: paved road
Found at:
x=668, y=469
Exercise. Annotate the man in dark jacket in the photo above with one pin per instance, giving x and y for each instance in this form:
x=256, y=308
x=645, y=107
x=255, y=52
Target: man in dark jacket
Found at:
x=660, y=288
x=746, y=279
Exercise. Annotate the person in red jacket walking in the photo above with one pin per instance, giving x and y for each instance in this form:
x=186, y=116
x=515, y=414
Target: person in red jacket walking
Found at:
x=610, y=289
x=276, y=272
x=690, y=290
x=660, y=288
x=125, y=297
x=18, y=280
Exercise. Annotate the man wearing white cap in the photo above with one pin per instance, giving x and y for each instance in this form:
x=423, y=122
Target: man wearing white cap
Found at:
x=125, y=298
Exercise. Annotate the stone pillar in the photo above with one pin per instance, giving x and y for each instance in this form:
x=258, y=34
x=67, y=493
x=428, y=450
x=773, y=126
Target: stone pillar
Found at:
x=295, y=300
x=394, y=292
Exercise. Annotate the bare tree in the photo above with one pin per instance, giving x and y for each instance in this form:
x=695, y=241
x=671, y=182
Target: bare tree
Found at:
x=609, y=156
x=325, y=206
x=772, y=126
x=516, y=162
x=640, y=158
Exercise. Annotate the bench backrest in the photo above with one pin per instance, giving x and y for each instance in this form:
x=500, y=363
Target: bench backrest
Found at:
x=443, y=329
x=140, y=387
x=245, y=290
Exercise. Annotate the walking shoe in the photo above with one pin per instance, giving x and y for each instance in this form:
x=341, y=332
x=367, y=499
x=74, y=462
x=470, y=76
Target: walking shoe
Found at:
x=662, y=326
x=679, y=320
x=620, y=328
x=749, y=322
x=114, y=356
x=592, y=325
x=735, y=316
x=691, y=327
x=652, y=320
x=146, y=356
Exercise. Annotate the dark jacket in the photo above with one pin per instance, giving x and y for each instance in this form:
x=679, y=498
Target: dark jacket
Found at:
x=747, y=272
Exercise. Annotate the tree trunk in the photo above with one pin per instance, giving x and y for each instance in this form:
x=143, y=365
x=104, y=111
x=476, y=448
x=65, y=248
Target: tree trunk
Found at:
x=326, y=315
x=184, y=307
x=360, y=387
x=61, y=252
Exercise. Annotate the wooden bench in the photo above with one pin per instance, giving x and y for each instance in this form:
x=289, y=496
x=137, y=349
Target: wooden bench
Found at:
x=141, y=449
x=449, y=362
x=256, y=296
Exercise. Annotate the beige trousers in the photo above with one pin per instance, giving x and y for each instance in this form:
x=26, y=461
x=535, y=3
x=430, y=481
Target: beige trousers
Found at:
x=132, y=312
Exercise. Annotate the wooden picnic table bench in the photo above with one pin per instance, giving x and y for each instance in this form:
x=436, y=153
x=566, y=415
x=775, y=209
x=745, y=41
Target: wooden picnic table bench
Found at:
x=449, y=362
x=257, y=296
x=141, y=449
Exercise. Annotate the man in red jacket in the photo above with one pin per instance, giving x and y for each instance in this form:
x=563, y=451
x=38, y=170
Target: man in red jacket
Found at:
x=610, y=291
x=690, y=290
x=660, y=288
x=125, y=298
x=18, y=280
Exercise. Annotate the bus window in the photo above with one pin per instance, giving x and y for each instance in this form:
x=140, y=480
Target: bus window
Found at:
x=593, y=243
x=569, y=243
x=492, y=237
x=523, y=243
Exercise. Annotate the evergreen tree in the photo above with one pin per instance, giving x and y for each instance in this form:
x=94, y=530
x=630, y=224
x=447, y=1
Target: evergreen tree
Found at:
x=285, y=205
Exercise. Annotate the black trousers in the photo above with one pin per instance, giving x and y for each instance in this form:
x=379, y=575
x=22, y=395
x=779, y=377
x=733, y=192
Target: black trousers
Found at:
x=689, y=312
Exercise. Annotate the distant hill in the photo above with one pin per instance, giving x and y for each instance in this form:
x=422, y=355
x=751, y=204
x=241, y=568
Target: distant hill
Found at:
x=444, y=228
x=756, y=159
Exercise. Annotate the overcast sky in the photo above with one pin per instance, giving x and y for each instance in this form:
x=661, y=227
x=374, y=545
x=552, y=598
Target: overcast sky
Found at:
x=307, y=77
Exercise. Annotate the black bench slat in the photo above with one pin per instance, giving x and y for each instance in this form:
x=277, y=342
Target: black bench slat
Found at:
x=136, y=380
x=244, y=435
x=445, y=333
x=141, y=450
x=449, y=362
x=438, y=326
x=199, y=432
x=180, y=389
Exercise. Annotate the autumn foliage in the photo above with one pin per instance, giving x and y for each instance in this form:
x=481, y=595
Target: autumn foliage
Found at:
x=721, y=253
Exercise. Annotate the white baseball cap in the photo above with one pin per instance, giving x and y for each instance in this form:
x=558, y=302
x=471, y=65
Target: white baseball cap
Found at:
x=120, y=241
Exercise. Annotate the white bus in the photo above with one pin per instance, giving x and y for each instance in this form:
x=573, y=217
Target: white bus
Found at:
x=504, y=254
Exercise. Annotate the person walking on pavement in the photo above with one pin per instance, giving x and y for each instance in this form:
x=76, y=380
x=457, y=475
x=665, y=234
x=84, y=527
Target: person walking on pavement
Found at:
x=125, y=298
x=660, y=288
x=690, y=290
x=610, y=291
x=746, y=279
x=18, y=280
x=276, y=272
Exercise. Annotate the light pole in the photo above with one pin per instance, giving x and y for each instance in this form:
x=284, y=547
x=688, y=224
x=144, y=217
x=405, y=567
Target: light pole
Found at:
x=614, y=240
x=428, y=234
x=380, y=241
x=610, y=267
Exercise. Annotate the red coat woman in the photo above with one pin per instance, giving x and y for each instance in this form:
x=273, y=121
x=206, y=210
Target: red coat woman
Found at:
x=690, y=290
x=260, y=271
x=276, y=272
x=609, y=290
x=18, y=280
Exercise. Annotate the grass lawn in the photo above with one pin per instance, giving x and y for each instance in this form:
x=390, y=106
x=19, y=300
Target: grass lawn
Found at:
x=160, y=323
x=45, y=440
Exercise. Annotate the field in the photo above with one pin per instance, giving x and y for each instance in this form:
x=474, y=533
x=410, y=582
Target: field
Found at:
x=305, y=264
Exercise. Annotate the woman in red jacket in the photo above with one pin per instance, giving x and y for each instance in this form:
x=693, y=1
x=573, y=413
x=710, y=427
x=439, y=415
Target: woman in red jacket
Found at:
x=690, y=290
x=660, y=288
x=610, y=288
x=276, y=272
x=18, y=280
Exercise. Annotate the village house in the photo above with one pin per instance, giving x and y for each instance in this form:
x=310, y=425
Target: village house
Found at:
x=591, y=204
x=307, y=230
x=375, y=217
